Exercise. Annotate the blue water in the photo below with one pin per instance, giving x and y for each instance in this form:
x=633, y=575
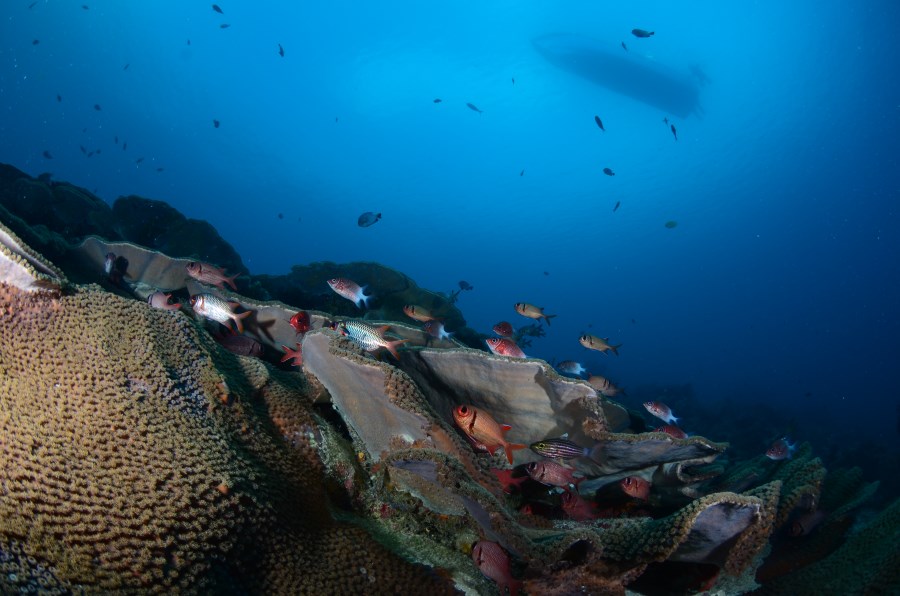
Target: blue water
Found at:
x=779, y=284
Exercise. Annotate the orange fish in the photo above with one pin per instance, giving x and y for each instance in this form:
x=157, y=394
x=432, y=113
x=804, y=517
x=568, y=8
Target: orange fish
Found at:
x=601, y=344
x=532, y=312
x=493, y=562
x=578, y=508
x=672, y=431
x=161, y=300
x=504, y=347
x=300, y=322
x=484, y=430
x=208, y=274
x=418, y=313
x=637, y=487
x=350, y=290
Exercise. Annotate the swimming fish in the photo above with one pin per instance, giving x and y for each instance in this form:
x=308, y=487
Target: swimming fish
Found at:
x=300, y=322
x=435, y=328
x=437, y=100
x=83, y=150
x=116, y=139
x=368, y=337
x=35, y=42
x=215, y=123
x=97, y=107
x=671, y=224
x=124, y=145
x=503, y=329
x=139, y=160
x=601, y=344
x=484, y=430
x=604, y=386
x=577, y=508
x=552, y=473
x=474, y=108
x=280, y=51
x=464, y=285
x=781, y=449
x=674, y=133
x=209, y=274
x=570, y=367
x=635, y=486
x=161, y=300
x=158, y=170
x=661, y=411
x=216, y=8
x=560, y=448
x=47, y=155
x=503, y=346
x=671, y=430
x=532, y=312
x=224, y=26
x=418, y=313
x=513, y=80
x=608, y=172
x=522, y=173
x=220, y=310
x=599, y=123
x=367, y=219
x=493, y=562
x=292, y=355
x=126, y=66
x=350, y=290
x=642, y=33
x=666, y=120
x=59, y=99
x=624, y=47
x=240, y=344
x=30, y=6
x=616, y=208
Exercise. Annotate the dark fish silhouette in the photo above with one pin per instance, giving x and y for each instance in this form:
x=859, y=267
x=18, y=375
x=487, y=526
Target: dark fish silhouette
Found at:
x=30, y=6
x=522, y=173
x=126, y=66
x=124, y=145
x=116, y=139
x=97, y=107
x=666, y=119
x=674, y=133
x=216, y=8
x=85, y=6
x=474, y=108
x=59, y=98
x=624, y=47
x=546, y=273
x=34, y=42
x=47, y=155
x=281, y=216
x=215, y=124
x=97, y=152
x=671, y=224
x=514, y=80
x=608, y=172
x=367, y=219
x=224, y=26
x=189, y=42
x=90, y=153
x=616, y=208
x=641, y=33
x=280, y=51
x=139, y=160
x=599, y=123
x=83, y=150
x=159, y=169
x=437, y=100
x=464, y=285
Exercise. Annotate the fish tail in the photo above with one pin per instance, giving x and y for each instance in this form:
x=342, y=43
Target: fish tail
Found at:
x=547, y=318
x=615, y=349
x=392, y=347
x=509, y=448
x=238, y=317
x=363, y=298
x=230, y=281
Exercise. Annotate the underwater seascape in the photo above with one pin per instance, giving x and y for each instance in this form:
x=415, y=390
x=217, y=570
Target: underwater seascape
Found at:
x=538, y=298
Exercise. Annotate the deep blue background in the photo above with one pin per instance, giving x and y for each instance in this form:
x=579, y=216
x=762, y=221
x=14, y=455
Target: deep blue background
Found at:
x=779, y=284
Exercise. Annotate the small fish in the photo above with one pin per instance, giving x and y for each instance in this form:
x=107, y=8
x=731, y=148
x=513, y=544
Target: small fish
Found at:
x=350, y=290
x=599, y=123
x=216, y=8
x=161, y=300
x=85, y=7
x=474, y=108
x=666, y=120
x=139, y=160
x=295, y=356
x=601, y=344
x=672, y=430
x=513, y=80
x=483, y=429
x=604, y=386
x=216, y=309
x=781, y=449
x=635, y=486
x=300, y=321
x=35, y=42
x=532, y=312
x=116, y=139
x=616, y=208
x=522, y=173
x=608, y=172
x=560, y=448
x=215, y=123
x=503, y=346
x=240, y=344
x=158, y=170
x=464, y=285
x=493, y=562
x=224, y=26
x=503, y=329
x=552, y=473
x=435, y=328
x=209, y=274
x=97, y=152
x=109, y=263
x=126, y=66
x=642, y=33
x=47, y=155
x=674, y=132
x=368, y=337
x=806, y=523
x=577, y=508
x=90, y=153
x=281, y=216
x=97, y=107
x=189, y=42
x=83, y=150
x=570, y=367
x=624, y=47
x=367, y=219
x=124, y=145
x=280, y=51
x=437, y=100
x=671, y=224
x=661, y=411
x=30, y=6
x=418, y=313
x=59, y=99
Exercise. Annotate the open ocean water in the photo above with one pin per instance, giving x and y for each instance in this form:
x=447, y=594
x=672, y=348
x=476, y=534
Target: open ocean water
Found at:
x=773, y=291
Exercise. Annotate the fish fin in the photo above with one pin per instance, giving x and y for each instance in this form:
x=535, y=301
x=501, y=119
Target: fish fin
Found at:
x=547, y=318
x=509, y=448
x=392, y=347
x=238, y=317
x=492, y=449
x=615, y=349
x=230, y=281
x=505, y=427
x=382, y=329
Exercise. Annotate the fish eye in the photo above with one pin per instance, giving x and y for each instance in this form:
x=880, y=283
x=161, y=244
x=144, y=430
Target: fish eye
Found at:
x=463, y=409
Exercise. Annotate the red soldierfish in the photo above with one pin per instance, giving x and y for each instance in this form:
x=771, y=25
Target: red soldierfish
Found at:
x=300, y=322
x=601, y=344
x=532, y=312
x=208, y=274
x=780, y=449
x=637, y=487
x=504, y=346
x=484, y=430
x=672, y=431
x=350, y=290
x=435, y=328
x=418, y=313
x=661, y=411
x=369, y=337
x=578, y=508
x=552, y=473
x=217, y=309
x=503, y=329
x=493, y=562
x=161, y=300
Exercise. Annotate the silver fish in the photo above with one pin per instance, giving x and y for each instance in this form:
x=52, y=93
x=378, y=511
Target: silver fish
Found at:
x=214, y=308
x=368, y=337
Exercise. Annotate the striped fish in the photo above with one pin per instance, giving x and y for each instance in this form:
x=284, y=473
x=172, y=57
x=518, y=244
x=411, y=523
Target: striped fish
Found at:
x=368, y=337
x=560, y=448
x=215, y=308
